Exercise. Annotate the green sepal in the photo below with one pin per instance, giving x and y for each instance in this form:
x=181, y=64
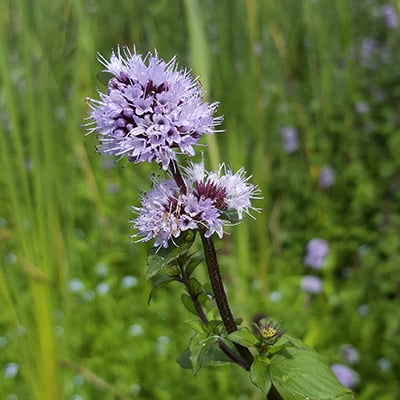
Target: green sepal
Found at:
x=301, y=373
x=245, y=337
x=260, y=373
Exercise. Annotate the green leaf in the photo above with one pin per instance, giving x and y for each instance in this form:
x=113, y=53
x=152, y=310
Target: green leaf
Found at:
x=196, y=288
x=245, y=337
x=187, y=302
x=260, y=374
x=158, y=284
x=205, y=352
x=214, y=326
x=184, y=359
x=195, y=324
x=194, y=262
x=283, y=342
x=302, y=374
x=159, y=258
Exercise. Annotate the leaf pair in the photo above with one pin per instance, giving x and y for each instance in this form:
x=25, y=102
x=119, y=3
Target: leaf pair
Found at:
x=297, y=373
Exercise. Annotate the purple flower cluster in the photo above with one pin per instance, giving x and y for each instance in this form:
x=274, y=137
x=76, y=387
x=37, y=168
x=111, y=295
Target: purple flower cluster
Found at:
x=150, y=110
x=166, y=211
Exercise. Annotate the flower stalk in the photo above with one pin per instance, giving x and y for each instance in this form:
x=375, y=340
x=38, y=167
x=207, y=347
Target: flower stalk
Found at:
x=178, y=178
x=220, y=295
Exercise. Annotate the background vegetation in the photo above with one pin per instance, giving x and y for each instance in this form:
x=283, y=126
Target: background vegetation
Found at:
x=74, y=321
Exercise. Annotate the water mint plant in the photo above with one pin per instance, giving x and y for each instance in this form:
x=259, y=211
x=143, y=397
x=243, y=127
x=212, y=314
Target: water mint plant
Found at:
x=154, y=112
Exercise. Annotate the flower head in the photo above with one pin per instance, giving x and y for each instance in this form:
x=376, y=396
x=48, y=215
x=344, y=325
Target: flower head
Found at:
x=269, y=331
x=227, y=190
x=317, y=251
x=166, y=211
x=150, y=109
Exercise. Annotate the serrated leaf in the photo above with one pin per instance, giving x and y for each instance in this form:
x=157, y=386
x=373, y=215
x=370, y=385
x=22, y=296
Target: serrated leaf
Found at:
x=244, y=337
x=302, y=374
x=159, y=258
x=260, y=374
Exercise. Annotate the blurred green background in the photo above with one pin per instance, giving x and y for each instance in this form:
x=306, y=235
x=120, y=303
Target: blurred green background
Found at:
x=74, y=320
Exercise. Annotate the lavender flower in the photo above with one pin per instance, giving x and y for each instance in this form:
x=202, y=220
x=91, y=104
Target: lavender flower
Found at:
x=326, y=177
x=317, y=250
x=166, y=212
x=311, y=284
x=289, y=136
x=227, y=190
x=345, y=375
x=150, y=109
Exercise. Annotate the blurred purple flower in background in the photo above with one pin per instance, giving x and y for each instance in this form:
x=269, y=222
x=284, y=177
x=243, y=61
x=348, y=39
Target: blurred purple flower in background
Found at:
x=368, y=50
x=150, y=109
x=311, y=284
x=350, y=354
x=384, y=364
x=316, y=252
x=389, y=13
x=290, y=141
x=362, y=107
x=326, y=177
x=345, y=375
